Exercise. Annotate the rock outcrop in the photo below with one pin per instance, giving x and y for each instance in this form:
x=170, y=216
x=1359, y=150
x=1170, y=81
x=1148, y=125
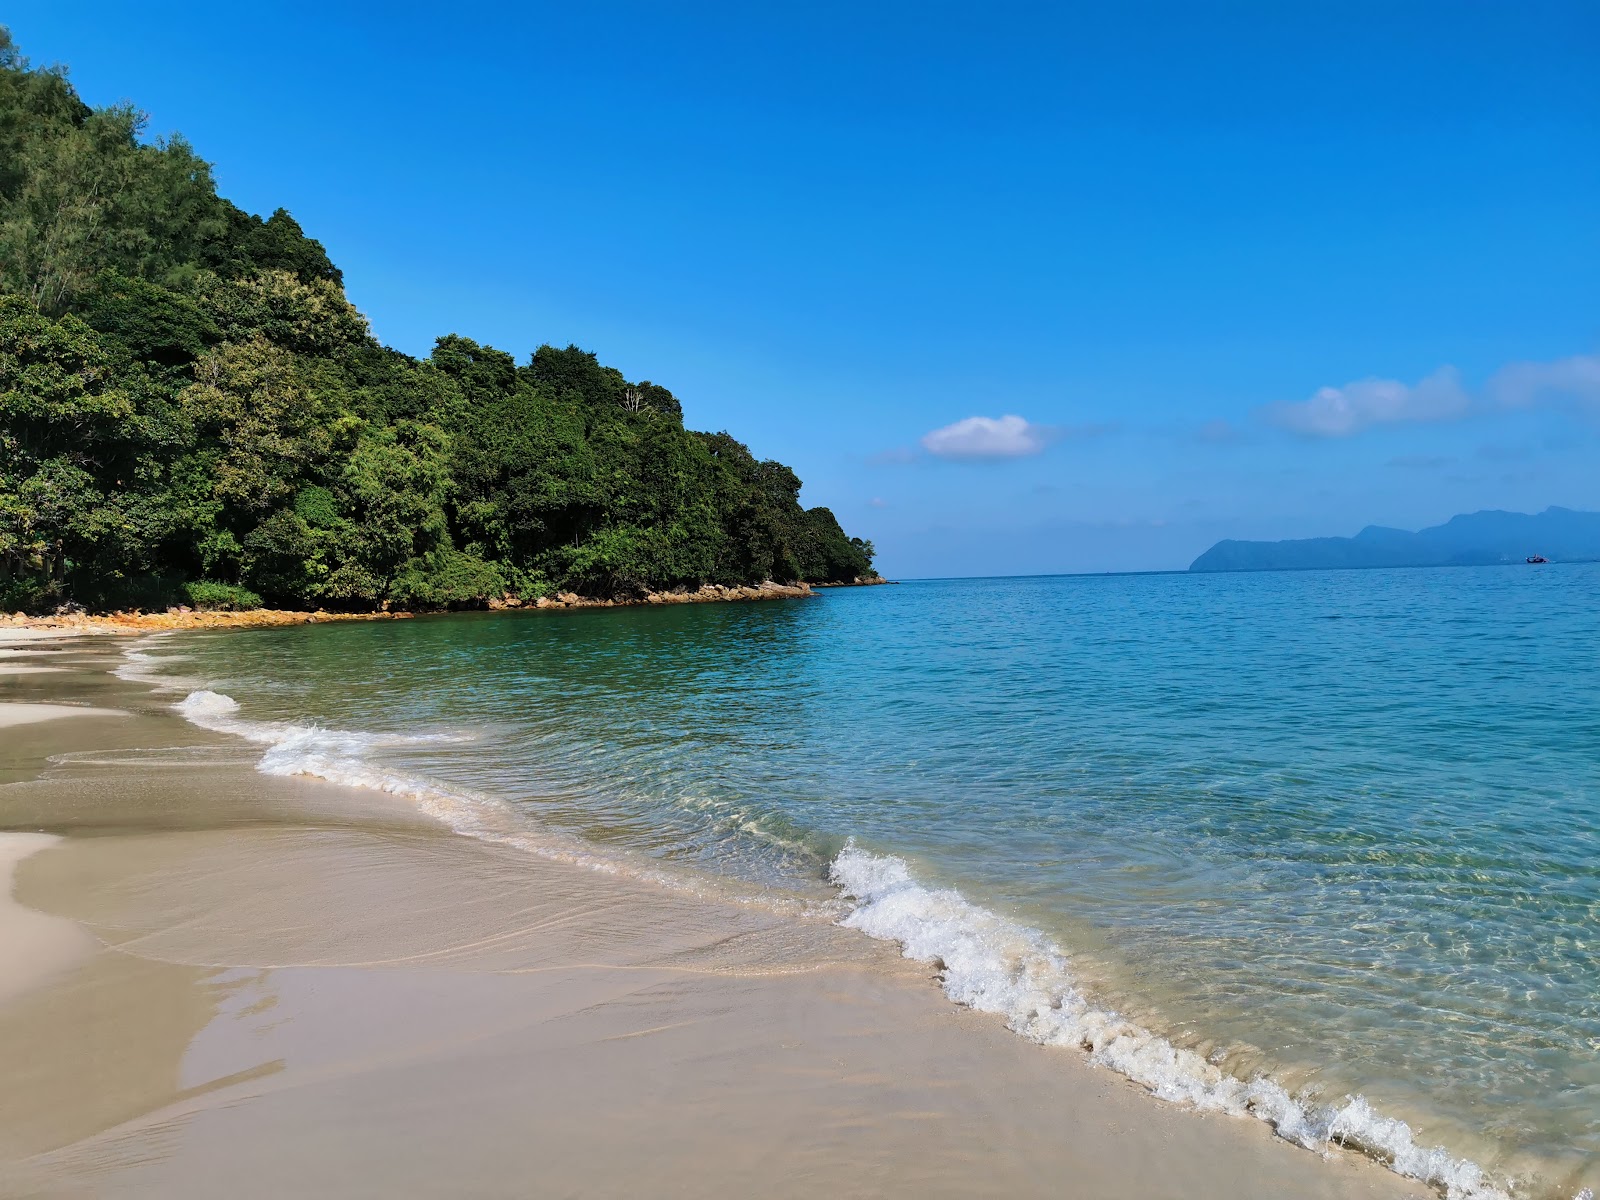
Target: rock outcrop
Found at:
x=261, y=618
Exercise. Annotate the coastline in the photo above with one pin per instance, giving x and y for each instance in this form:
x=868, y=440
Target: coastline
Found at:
x=278, y=956
x=183, y=619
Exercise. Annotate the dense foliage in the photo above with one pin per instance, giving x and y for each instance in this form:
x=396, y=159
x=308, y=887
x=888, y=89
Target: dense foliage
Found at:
x=191, y=411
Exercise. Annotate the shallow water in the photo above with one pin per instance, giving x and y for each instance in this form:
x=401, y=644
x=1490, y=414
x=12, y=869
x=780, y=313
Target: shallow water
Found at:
x=1340, y=830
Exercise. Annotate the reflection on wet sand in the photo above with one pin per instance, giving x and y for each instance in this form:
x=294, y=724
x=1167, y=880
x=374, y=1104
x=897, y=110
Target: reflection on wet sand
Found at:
x=301, y=989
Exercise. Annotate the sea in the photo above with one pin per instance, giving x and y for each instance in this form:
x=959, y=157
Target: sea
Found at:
x=1318, y=848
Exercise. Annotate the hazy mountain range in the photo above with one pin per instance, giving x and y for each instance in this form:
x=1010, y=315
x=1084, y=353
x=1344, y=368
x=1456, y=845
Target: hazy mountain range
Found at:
x=1492, y=536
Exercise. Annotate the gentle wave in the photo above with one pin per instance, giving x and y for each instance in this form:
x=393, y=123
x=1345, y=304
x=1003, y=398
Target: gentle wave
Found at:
x=986, y=962
x=994, y=965
x=335, y=755
x=140, y=666
x=342, y=757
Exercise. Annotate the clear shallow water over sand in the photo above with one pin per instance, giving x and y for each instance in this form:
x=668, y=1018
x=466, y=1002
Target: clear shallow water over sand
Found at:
x=1336, y=830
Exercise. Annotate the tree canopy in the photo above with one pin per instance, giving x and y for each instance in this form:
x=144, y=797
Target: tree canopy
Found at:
x=190, y=408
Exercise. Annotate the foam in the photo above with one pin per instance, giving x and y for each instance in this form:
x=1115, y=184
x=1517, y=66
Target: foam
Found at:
x=986, y=961
x=336, y=755
x=1000, y=966
x=140, y=666
x=343, y=757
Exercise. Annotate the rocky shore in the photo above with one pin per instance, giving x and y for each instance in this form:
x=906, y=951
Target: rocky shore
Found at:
x=711, y=593
x=858, y=581
x=260, y=618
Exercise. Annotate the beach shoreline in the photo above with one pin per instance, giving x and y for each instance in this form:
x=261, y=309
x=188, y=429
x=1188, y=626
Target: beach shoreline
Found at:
x=299, y=986
x=135, y=622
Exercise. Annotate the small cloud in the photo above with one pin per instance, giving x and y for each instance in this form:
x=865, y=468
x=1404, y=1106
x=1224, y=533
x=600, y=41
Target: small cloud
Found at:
x=1420, y=462
x=988, y=438
x=877, y=502
x=896, y=457
x=1524, y=384
x=1342, y=411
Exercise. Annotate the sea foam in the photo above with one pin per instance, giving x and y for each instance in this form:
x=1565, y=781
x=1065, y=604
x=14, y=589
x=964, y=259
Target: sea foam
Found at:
x=346, y=757
x=999, y=966
x=987, y=962
x=140, y=666
x=335, y=755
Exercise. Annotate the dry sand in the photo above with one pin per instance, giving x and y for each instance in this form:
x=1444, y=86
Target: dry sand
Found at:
x=300, y=989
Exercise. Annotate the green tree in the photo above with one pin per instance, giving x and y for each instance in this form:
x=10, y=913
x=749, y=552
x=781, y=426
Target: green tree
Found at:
x=191, y=409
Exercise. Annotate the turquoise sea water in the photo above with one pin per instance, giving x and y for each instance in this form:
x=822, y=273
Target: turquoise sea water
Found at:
x=1265, y=842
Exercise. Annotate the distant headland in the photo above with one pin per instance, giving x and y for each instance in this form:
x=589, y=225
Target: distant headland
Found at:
x=1471, y=539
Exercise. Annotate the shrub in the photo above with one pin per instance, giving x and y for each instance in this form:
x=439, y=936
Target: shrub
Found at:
x=447, y=579
x=226, y=597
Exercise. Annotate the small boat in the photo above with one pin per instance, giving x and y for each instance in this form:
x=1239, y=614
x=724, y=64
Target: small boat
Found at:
x=1537, y=558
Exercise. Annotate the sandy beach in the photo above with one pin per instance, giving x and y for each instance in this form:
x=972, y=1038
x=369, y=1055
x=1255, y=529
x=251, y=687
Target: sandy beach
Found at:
x=218, y=982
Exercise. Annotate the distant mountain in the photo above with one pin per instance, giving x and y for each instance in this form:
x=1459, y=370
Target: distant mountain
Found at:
x=1559, y=534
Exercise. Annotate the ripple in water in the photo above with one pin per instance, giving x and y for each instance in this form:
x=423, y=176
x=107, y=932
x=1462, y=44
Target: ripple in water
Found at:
x=1329, y=833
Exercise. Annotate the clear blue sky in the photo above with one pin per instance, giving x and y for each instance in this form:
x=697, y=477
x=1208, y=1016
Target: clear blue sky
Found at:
x=1151, y=233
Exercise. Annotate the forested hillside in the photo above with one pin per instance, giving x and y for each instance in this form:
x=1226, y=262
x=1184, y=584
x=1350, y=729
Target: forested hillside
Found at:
x=191, y=411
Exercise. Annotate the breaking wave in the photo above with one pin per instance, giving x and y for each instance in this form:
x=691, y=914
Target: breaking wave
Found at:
x=140, y=666
x=985, y=961
x=344, y=757
x=994, y=965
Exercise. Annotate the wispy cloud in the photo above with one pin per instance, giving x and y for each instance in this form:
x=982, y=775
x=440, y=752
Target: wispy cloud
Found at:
x=988, y=437
x=1341, y=411
x=877, y=502
x=1524, y=384
x=1337, y=412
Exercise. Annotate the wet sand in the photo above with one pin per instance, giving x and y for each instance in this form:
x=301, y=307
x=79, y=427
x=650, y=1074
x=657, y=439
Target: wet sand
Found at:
x=258, y=987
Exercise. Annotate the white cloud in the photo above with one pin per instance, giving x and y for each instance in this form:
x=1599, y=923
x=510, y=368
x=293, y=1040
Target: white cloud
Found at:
x=1342, y=411
x=1522, y=384
x=988, y=437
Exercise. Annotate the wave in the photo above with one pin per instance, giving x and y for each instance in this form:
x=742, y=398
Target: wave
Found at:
x=335, y=755
x=140, y=666
x=345, y=757
x=995, y=965
x=985, y=961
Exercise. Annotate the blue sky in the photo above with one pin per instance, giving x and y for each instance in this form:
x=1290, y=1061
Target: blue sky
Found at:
x=1014, y=288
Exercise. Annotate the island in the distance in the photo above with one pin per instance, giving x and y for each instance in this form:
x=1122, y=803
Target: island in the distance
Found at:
x=193, y=413
x=1471, y=539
